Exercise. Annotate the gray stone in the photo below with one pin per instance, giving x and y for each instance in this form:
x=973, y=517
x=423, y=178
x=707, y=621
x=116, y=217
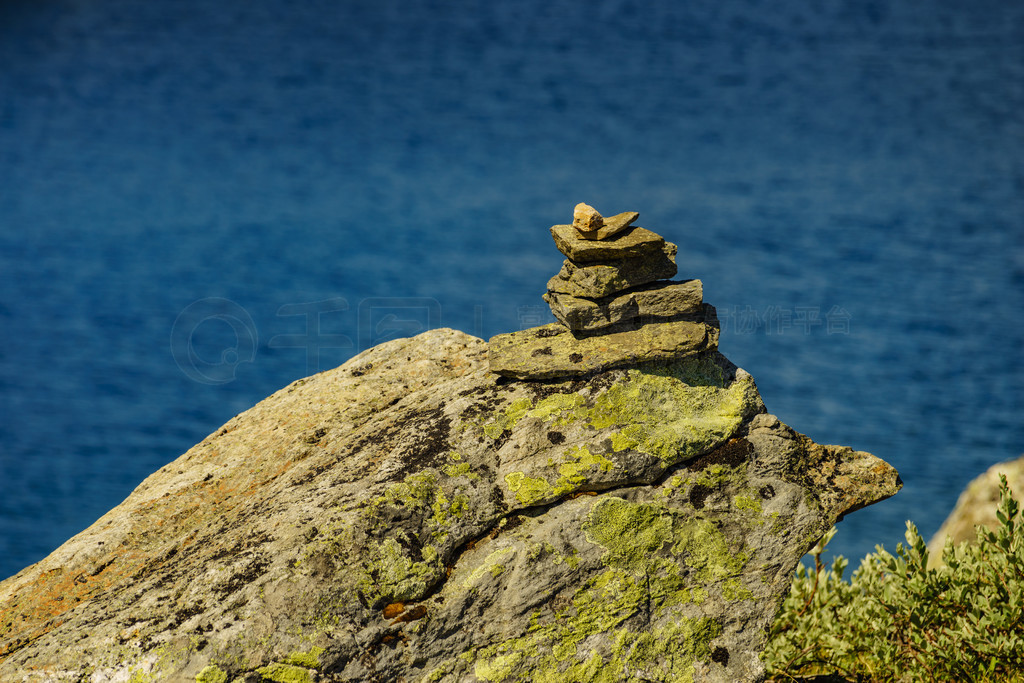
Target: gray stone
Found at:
x=630, y=243
x=598, y=280
x=552, y=351
x=612, y=226
x=651, y=303
x=412, y=516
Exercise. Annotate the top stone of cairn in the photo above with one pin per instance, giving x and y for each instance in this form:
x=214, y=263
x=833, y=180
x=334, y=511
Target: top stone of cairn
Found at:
x=590, y=225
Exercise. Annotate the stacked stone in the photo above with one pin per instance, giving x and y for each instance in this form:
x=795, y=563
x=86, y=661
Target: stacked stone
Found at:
x=614, y=274
x=613, y=302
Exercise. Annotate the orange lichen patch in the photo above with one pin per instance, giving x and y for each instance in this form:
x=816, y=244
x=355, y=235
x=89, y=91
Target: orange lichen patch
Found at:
x=393, y=610
x=280, y=470
x=160, y=528
x=213, y=520
x=55, y=592
x=417, y=612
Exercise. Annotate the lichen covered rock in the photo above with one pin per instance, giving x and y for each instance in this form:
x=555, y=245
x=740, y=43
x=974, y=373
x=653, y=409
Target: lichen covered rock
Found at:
x=412, y=516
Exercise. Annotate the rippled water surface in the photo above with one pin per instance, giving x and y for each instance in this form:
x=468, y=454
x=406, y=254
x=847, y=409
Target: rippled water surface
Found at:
x=846, y=178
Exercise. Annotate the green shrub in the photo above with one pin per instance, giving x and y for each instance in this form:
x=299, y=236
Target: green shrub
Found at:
x=897, y=620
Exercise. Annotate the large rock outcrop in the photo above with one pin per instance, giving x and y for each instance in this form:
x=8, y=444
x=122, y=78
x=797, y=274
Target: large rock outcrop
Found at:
x=976, y=507
x=414, y=516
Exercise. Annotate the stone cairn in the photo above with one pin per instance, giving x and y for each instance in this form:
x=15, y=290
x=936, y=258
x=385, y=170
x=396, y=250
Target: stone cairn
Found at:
x=613, y=303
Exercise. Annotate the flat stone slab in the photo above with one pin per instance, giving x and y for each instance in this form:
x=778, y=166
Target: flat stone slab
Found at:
x=612, y=226
x=630, y=243
x=658, y=301
x=552, y=351
x=598, y=280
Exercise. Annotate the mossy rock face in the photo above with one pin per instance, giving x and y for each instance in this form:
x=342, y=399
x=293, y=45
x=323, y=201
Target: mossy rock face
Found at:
x=411, y=515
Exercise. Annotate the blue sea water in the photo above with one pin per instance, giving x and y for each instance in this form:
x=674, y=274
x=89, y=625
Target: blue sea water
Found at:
x=201, y=202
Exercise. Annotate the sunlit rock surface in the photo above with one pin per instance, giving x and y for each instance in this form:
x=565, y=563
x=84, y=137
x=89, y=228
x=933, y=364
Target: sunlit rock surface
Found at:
x=412, y=516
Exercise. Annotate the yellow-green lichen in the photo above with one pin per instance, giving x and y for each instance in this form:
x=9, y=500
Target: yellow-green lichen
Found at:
x=536, y=550
x=601, y=605
x=419, y=487
x=163, y=659
x=561, y=409
x=390, y=570
x=572, y=560
x=310, y=660
x=443, y=509
x=781, y=526
x=140, y=676
x=460, y=469
x=631, y=533
x=669, y=652
x=508, y=419
x=733, y=589
x=716, y=476
x=490, y=565
x=750, y=501
x=571, y=472
x=442, y=672
x=500, y=666
x=707, y=551
x=675, y=412
x=579, y=461
x=285, y=673
x=528, y=490
x=393, y=574
x=747, y=503
x=455, y=467
x=212, y=674
x=549, y=652
x=657, y=561
x=646, y=539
